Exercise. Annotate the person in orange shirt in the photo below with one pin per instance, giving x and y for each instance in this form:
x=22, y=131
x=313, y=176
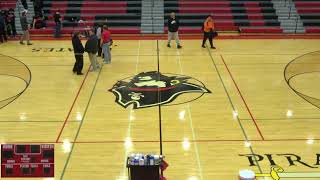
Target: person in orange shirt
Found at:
x=208, y=28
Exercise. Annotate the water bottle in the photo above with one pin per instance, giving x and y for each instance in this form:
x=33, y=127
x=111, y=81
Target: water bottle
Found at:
x=156, y=160
x=136, y=160
x=151, y=160
x=141, y=161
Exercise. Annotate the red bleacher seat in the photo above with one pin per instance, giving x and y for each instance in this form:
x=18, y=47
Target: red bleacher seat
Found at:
x=251, y=4
x=255, y=16
x=82, y=24
x=204, y=3
x=253, y=9
x=261, y=30
x=103, y=10
x=7, y=4
x=257, y=23
x=307, y=4
x=71, y=30
x=59, y=4
x=205, y=10
x=312, y=29
x=103, y=4
x=309, y=10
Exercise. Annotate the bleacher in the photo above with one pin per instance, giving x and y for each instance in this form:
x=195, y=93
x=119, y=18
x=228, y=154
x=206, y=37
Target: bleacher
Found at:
x=123, y=16
x=229, y=15
x=309, y=11
x=7, y=4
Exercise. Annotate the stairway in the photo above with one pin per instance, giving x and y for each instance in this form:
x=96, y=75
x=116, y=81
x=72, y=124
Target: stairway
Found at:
x=158, y=17
x=17, y=13
x=152, y=16
x=287, y=14
x=146, y=16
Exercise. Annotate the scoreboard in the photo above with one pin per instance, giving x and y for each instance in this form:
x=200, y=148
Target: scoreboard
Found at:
x=34, y=160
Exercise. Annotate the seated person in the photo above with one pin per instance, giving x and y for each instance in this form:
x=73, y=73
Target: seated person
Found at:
x=38, y=22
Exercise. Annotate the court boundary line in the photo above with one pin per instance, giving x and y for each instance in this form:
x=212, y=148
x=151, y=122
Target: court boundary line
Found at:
x=131, y=111
x=191, y=126
x=195, y=36
x=72, y=106
x=165, y=141
x=81, y=123
x=233, y=108
x=243, y=100
x=191, y=55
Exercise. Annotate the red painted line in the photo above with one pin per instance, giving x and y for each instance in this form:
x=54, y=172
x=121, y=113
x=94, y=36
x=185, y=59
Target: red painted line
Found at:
x=243, y=100
x=71, y=108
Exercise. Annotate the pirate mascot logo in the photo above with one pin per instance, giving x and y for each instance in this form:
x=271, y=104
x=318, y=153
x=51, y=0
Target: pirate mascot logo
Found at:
x=152, y=88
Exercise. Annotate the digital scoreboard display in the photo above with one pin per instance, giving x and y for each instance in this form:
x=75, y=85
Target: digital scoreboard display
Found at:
x=19, y=160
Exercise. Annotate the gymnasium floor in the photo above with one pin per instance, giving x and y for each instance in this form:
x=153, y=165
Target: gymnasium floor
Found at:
x=251, y=108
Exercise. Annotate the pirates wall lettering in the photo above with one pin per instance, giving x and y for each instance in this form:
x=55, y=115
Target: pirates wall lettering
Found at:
x=52, y=50
x=292, y=159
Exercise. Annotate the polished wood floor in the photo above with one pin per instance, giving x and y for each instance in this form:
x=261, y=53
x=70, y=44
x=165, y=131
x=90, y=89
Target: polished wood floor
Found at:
x=251, y=109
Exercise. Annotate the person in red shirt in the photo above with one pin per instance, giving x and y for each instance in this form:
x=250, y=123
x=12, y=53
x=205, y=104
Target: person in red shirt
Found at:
x=106, y=42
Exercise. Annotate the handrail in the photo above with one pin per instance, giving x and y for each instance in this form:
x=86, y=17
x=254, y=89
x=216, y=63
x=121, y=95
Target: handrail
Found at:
x=290, y=11
x=295, y=31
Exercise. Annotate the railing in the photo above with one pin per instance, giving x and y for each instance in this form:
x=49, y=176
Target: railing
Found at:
x=297, y=19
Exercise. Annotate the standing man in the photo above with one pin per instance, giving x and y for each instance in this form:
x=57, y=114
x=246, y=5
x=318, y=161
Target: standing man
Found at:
x=12, y=22
x=208, y=30
x=78, y=53
x=92, y=49
x=173, y=27
x=57, y=20
x=3, y=36
x=25, y=28
x=106, y=42
x=99, y=35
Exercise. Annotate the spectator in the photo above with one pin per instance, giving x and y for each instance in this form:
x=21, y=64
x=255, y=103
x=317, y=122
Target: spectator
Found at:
x=106, y=42
x=92, y=49
x=99, y=31
x=173, y=27
x=25, y=28
x=38, y=22
x=208, y=32
x=57, y=20
x=78, y=53
x=3, y=34
x=11, y=23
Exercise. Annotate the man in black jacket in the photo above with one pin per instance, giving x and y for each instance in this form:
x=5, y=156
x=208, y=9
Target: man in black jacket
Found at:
x=92, y=49
x=78, y=53
x=3, y=36
x=173, y=27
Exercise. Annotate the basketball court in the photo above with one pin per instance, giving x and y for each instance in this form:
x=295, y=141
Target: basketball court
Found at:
x=249, y=104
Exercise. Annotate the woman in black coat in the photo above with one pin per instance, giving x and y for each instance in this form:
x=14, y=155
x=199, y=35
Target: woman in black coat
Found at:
x=78, y=53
